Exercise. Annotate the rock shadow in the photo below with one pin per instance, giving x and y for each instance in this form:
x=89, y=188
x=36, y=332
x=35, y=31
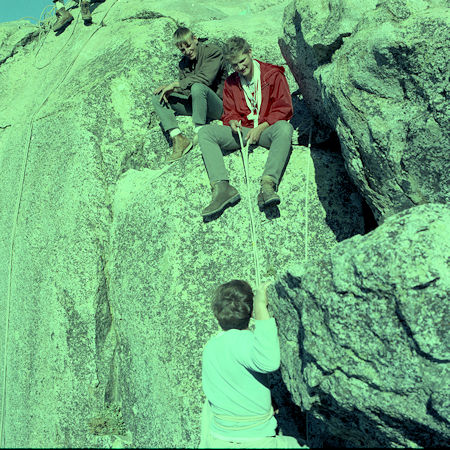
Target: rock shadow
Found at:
x=343, y=204
x=292, y=421
x=336, y=191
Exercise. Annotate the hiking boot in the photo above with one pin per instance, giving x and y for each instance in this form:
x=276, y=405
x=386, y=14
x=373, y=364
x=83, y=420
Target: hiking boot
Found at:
x=181, y=145
x=85, y=11
x=223, y=194
x=267, y=196
x=64, y=18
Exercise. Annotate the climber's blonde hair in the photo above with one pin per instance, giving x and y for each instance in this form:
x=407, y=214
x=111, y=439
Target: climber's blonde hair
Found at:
x=182, y=35
x=234, y=47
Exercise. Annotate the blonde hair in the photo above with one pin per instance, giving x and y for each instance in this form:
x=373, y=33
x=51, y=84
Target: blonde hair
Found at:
x=181, y=35
x=234, y=46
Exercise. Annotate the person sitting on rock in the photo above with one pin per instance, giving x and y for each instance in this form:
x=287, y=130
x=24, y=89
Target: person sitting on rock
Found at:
x=64, y=16
x=197, y=92
x=257, y=100
x=238, y=411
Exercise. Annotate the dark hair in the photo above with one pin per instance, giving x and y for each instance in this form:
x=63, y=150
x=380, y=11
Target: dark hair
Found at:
x=234, y=46
x=233, y=304
x=181, y=35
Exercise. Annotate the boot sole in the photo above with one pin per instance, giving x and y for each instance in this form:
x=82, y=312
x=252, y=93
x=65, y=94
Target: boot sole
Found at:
x=230, y=202
x=272, y=202
x=185, y=152
x=64, y=25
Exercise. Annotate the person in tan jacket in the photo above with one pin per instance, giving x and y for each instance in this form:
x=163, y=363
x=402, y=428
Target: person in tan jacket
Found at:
x=197, y=92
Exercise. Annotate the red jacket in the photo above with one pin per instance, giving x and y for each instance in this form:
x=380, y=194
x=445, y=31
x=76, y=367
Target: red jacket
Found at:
x=276, y=102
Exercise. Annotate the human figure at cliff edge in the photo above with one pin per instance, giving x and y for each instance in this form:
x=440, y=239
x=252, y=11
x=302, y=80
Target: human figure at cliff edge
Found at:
x=256, y=99
x=197, y=92
x=64, y=16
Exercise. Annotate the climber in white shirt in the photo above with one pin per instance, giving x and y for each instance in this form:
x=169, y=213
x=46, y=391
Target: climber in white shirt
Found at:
x=238, y=410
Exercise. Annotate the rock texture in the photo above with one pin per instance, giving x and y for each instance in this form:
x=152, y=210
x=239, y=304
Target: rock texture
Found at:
x=165, y=263
x=366, y=348
x=377, y=73
x=106, y=266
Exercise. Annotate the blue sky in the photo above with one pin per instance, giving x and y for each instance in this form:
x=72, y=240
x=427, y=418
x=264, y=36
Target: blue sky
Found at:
x=16, y=9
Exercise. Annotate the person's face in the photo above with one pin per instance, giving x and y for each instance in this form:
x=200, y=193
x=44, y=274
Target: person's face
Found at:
x=243, y=64
x=189, y=48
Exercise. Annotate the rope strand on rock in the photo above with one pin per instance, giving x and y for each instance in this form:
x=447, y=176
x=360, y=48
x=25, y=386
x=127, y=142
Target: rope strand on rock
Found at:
x=244, y=154
x=306, y=195
x=306, y=246
x=14, y=230
x=42, y=23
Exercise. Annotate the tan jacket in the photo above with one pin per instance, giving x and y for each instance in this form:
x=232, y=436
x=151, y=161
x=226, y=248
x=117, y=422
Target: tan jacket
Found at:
x=208, y=68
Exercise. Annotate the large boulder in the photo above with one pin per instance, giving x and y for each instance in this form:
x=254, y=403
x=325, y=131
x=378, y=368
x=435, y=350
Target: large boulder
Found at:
x=105, y=264
x=376, y=72
x=365, y=334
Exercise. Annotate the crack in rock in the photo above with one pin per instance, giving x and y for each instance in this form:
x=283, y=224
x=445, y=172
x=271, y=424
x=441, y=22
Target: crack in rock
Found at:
x=324, y=53
x=410, y=334
x=30, y=37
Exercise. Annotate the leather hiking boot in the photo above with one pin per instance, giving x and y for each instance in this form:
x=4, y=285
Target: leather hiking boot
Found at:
x=85, y=11
x=267, y=195
x=181, y=145
x=64, y=18
x=223, y=194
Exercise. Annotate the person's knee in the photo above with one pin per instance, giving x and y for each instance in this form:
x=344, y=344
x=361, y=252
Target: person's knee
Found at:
x=208, y=133
x=285, y=127
x=204, y=132
x=197, y=89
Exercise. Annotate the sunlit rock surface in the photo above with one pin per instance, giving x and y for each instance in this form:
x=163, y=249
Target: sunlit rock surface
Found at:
x=165, y=263
x=377, y=73
x=366, y=347
x=106, y=267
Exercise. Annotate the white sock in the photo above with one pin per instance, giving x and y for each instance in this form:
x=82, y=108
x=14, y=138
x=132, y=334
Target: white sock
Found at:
x=174, y=132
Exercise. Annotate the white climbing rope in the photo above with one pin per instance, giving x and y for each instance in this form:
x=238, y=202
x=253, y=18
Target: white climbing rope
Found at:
x=244, y=154
x=44, y=27
x=306, y=195
x=14, y=230
x=306, y=244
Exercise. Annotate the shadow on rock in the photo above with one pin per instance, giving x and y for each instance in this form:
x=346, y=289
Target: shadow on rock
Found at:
x=291, y=419
x=337, y=194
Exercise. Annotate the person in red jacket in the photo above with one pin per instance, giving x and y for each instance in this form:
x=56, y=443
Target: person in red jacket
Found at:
x=256, y=99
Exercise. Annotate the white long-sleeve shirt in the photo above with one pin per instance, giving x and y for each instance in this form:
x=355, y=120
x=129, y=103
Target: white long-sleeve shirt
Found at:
x=233, y=380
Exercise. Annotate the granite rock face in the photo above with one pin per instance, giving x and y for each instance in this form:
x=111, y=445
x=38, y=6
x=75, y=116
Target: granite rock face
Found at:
x=165, y=263
x=366, y=348
x=106, y=267
x=377, y=73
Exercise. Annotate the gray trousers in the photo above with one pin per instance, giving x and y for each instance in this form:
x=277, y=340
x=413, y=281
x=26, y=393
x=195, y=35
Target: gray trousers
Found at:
x=205, y=104
x=215, y=138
